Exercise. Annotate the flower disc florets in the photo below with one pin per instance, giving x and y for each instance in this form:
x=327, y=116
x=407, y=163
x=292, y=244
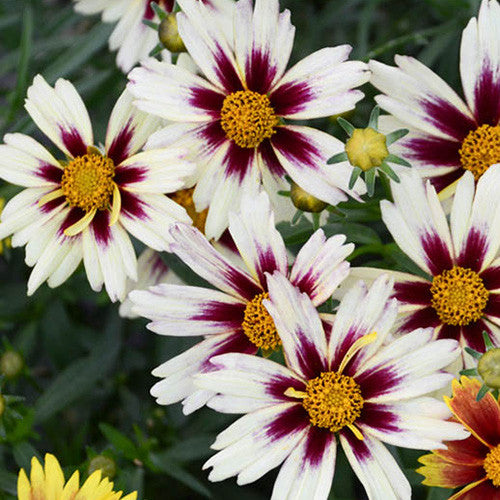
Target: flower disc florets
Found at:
x=248, y=118
x=491, y=466
x=87, y=182
x=480, y=149
x=333, y=401
x=258, y=325
x=459, y=296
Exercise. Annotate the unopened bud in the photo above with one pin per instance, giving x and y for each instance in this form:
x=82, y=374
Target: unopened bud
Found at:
x=305, y=201
x=106, y=465
x=11, y=364
x=366, y=148
x=2, y=405
x=489, y=367
x=168, y=33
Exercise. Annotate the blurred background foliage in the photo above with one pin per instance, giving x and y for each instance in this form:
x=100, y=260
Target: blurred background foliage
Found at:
x=75, y=377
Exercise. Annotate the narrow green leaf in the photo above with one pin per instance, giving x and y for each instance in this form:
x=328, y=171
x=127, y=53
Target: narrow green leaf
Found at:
x=373, y=121
x=297, y=216
x=8, y=482
x=338, y=158
x=356, y=172
x=23, y=453
x=482, y=392
x=396, y=159
x=349, y=128
x=120, y=441
x=395, y=136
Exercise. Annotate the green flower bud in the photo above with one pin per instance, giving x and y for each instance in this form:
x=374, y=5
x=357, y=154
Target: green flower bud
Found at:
x=11, y=364
x=489, y=368
x=3, y=405
x=105, y=464
x=366, y=148
x=169, y=34
x=305, y=201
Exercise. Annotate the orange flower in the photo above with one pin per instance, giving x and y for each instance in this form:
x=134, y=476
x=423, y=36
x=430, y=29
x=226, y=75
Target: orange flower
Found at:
x=474, y=462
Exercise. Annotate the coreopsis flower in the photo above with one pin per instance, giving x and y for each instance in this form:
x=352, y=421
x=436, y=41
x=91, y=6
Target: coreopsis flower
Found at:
x=473, y=464
x=233, y=115
x=460, y=297
x=47, y=483
x=131, y=37
x=85, y=205
x=232, y=318
x=344, y=385
x=447, y=135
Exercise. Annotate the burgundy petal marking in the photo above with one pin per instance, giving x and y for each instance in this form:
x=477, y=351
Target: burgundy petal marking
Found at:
x=442, y=181
x=473, y=334
x=433, y=151
x=267, y=263
x=237, y=342
x=359, y=448
x=493, y=306
x=238, y=161
x=292, y=420
x=437, y=254
x=296, y=148
x=169, y=5
x=207, y=99
x=491, y=278
x=413, y=292
x=259, y=72
x=101, y=228
x=378, y=381
x=129, y=175
x=277, y=386
x=133, y=206
x=120, y=147
x=473, y=253
x=213, y=135
x=51, y=205
x=487, y=96
x=379, y=417
x=270, y=159
x=50, y=173
x=226, y=72
x=311, y=363
x=450, y=332
x=422, y=318
x=227, y=241
x=73, y=216
x=230, y=314
x=291, y=98
x=73, y=142
x=318, y=440
x=447, y=118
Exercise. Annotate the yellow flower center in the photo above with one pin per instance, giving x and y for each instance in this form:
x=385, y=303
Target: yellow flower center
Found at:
x=333, y=401
x=366, y=148
x=184, y=198
x=491, y=465
x=459, y=296
x=248, y=118
x=481, y=149
x=87, y=182
x=258, y=325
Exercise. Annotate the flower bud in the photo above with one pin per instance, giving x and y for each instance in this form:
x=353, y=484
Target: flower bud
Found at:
x=489, y=367
x=106, y=465
x=11, y=364
x=305, y=201
x=3, y=405
x=169, y=34
x=366, y=148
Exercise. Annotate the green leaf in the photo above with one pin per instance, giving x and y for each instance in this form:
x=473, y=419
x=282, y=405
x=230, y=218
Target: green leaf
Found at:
x=8, y=482
x=482, y=392
x=80, y=377
x=348, y=127
x=439, y=494
x=337, y=158
x=120, y=441
x=23, y=453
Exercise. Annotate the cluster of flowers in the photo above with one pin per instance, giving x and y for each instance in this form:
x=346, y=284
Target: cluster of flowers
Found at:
x=194, y=156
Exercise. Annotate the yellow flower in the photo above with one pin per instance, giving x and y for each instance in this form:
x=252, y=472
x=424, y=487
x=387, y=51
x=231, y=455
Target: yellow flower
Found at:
x=47, y=483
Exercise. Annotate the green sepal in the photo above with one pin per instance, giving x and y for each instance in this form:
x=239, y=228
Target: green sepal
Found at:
x=284, y=193
x=356, y=172
x=297, y=216
x=487, y=341
x=373, y=121
x=389, y=172
x=395, y=136
x=151, y=24
x=158, y=11
x=396, y=159
x=370, y=181
x=337, y=158
x=315, y=218
x=348, y=127
x=156, y=50
x=473, y=352
x=469, y=372
x=482, y=392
